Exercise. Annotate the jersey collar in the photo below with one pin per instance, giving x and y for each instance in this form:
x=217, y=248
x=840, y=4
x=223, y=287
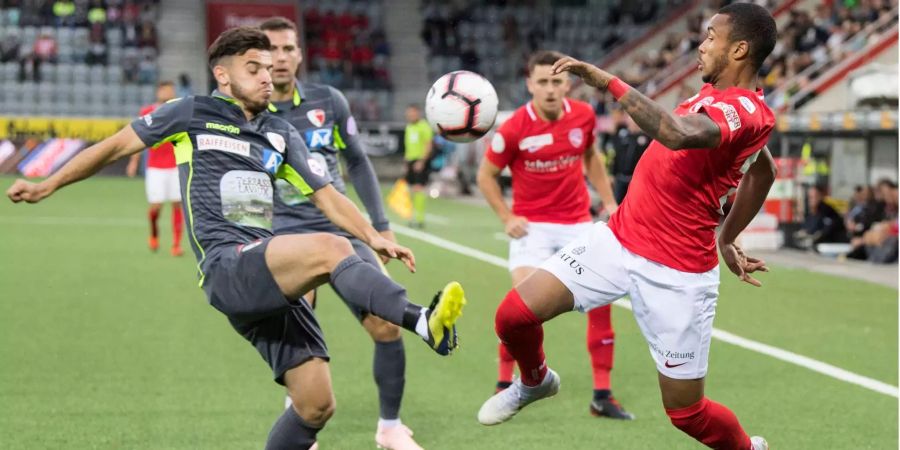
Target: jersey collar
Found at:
x=299, y=95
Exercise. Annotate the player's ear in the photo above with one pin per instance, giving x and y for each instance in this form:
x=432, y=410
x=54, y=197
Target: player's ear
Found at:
x=740, y=50
x=221, y=75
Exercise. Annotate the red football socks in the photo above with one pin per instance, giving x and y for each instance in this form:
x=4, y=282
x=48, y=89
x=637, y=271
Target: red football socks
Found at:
x=600, y=339
x=153, y=214
x=177, y=225
x=712, y=424
x=523, y=335
x=506, y=365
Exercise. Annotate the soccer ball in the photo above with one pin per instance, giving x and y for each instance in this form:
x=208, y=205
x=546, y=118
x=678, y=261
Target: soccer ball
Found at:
x=461, y=106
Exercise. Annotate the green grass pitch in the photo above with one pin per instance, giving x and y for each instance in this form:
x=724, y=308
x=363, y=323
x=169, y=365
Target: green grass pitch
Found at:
x=105, y=345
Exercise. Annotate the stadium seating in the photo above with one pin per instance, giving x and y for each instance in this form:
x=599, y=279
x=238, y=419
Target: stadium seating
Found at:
x=80, y=66
x=497, y=40
x=346, y=47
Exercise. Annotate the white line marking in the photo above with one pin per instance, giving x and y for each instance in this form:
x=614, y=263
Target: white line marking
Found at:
x=440, y=220
x=724, y=336
x=91, y=221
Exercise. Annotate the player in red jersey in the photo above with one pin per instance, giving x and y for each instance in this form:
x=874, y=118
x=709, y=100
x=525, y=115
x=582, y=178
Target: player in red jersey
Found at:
x=660, y=245
x=547, y=144
x=161, y=178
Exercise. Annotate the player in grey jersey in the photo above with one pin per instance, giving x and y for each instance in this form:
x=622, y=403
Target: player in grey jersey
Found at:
x=322, y=117
x=228, y=156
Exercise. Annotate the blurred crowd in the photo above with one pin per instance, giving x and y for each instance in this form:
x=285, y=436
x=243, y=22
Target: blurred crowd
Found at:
x=38, y=32
x=870, y=225
x=347, y=48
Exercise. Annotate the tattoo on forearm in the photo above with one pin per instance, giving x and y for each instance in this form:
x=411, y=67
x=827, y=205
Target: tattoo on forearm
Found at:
x=693, y=131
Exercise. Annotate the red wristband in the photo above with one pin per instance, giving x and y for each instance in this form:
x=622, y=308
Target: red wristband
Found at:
x=617, y=87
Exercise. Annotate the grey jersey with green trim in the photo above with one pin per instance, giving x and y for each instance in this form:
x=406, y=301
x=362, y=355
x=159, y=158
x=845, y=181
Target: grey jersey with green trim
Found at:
x=322, y=117
x=227, y=166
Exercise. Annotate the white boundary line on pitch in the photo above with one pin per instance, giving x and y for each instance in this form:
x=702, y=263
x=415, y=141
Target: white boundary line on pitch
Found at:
x=724, y=336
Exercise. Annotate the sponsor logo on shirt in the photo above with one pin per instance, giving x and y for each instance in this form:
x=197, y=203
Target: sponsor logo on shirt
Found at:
x=578, y=250
x=731, y=115
x=553, y=165
x=705, y=102
x=222, y=143
x=276, y=140
x=148, y=119
x=321, y=137
x=576, y=137
x=316, y=117
x=534, y=143
x=226, y=128
x=498, y=144
x=272, y=160
x=747, y=104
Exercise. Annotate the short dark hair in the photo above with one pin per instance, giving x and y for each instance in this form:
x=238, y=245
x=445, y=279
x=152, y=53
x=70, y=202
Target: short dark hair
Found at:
x=543, y=58
x=236, y=41
x=278, y=23
x=165, y=83
x=414, y=106
x=887, y=182
x=754, y=24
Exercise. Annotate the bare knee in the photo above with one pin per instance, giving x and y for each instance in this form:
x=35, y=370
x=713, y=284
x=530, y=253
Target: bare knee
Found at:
x=677, y=394
x=334, y=248
x=381, y=330
x=315, y=412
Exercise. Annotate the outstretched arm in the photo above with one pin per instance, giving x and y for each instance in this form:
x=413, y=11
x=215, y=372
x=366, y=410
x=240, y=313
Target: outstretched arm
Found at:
x=86, y=163
x=343, y=213
x=694, y=131
x=751, y=194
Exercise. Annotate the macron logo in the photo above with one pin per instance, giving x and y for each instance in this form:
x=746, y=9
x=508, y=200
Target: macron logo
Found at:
x=226, y=128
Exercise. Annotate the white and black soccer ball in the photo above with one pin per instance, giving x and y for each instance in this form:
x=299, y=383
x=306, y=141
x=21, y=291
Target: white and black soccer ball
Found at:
x=461, y=106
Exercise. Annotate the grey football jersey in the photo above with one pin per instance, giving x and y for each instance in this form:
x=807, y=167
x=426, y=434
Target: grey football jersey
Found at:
x=227, y=166
x=322, y=117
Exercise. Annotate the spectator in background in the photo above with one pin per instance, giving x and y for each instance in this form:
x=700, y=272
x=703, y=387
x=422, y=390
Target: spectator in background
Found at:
x=9, y=48
x=879, y=243
x=97, y=52
x=822, y=223
x=64, y=12
x=627, y=145
x=184, y=86
x=44, y=48
x=468, y=58
x=97, y=12
x=147, y=70
x=147, y=35
x=864, y=211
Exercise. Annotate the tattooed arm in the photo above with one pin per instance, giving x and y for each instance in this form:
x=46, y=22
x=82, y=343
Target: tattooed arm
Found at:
x=694, y=131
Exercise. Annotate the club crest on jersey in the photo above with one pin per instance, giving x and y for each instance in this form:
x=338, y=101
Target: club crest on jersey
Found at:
x=316, y=117
x=576, y=137
x=272, y=160
x=706, y=101
x=318, y=138
x=276, y=140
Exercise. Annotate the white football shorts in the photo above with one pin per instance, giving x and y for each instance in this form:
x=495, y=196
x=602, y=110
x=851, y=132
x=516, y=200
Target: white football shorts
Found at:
x=541, y=242
x=162, y=185
x=673, y=309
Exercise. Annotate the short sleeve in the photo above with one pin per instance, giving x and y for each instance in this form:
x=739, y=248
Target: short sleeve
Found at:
x=299, y=169
x=503, y=146
x=738, y=118
x=427, y=134
x=164, y=123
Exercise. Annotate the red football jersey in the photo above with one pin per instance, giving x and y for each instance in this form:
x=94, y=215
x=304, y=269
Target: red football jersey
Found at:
x=546, y=161
x=675, y=198
x=163, y=155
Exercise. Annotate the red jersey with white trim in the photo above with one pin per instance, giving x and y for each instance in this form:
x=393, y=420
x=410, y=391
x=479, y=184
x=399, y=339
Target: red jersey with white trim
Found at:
x=675, y=198
x=163, y=155
x=546, y=161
